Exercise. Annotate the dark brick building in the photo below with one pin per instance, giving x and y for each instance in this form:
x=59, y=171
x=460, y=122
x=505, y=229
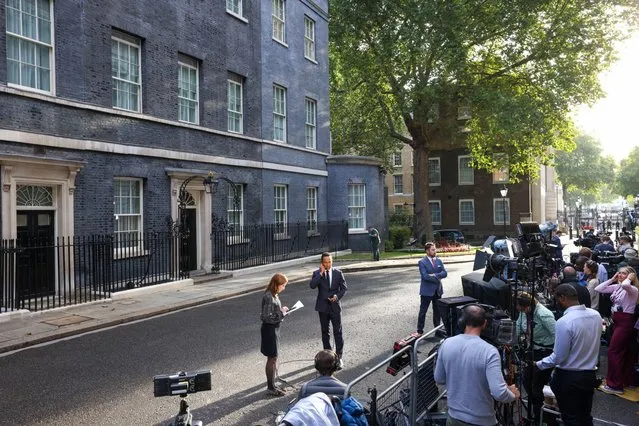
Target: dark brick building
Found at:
x=470, y=200
x=107, y=107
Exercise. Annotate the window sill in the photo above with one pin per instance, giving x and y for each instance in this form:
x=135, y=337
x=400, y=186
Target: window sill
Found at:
x=279, y=237
x=189, y=122
x=311, y=60
x=30, y=89
x=313, y=233
x=466, y=183
x=357, y=231
x=136, y=111
x=126, y=254
x=280, y=42
x=466, y=223
x=435, y=184
x=236, y=16
x=237, y=240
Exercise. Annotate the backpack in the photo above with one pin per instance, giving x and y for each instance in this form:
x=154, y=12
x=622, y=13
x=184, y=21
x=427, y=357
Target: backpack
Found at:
x=353, y=413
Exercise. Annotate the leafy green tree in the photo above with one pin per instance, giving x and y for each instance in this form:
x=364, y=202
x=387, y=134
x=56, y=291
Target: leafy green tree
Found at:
x=584, y=172
x=406, y=68
x=627, y=181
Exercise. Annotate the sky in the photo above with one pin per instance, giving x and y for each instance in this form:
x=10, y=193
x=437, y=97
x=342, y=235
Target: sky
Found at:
x=614, y=119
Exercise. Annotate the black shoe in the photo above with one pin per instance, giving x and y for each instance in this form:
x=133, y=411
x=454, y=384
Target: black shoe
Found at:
x=441, y=334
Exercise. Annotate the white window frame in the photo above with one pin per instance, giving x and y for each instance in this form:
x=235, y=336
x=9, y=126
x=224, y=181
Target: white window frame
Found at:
x=24, y=42
x=138, y=84
x=397, y=159
x=311, y=209
x=439, y=204
x=466, y=200
x=234, y=7
x=500, y=210
x=439, y=171
x=184, y=99
x=234, y=114
x=128, y=250
x=279, y=112
x=279, y=21
x=501, y=175
x=401, y=183
x=459, y=171
x=280, y=209
x=233, y=211
x=309, y=39
x=310, y=126
x=356, y=206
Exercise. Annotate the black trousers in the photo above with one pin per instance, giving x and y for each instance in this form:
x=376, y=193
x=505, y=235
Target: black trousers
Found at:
x=539, y=379
x=423, y=308
x=574, y=391
x=335, y=319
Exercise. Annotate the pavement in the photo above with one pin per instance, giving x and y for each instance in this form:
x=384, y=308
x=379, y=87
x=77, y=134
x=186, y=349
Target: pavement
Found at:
x=21, y=329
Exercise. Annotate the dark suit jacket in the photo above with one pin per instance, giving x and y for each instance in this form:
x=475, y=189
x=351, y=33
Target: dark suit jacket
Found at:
x=429, y=284
x=338, y=287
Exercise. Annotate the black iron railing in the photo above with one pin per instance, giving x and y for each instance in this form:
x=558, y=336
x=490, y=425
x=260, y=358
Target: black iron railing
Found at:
x=43, y=273
x=242, y=247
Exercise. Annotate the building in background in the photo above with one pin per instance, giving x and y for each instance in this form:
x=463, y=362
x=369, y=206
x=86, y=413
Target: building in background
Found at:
x=470, y=200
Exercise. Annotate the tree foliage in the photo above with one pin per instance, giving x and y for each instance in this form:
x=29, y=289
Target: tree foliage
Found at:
x=627, y=181
x=584, y=172
x=404, y=68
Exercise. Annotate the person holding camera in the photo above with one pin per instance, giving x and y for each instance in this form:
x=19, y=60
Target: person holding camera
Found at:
x=272, y=315
x=605, y=244
x=537, y=323
x=624, y=292
x=625, y=243
x=326, y=363
x=470, y=368
x=574, y=357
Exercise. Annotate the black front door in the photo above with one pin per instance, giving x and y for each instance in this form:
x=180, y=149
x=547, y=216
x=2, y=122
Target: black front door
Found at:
x=35, y=272
x=191, y=240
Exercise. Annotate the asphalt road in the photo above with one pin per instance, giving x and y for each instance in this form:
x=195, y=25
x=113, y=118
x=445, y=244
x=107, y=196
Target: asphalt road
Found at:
x=105, y=377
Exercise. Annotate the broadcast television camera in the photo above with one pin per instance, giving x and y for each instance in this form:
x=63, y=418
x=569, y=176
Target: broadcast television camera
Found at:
x=182, y=384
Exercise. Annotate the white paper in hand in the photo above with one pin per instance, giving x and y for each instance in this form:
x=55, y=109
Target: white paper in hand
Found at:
x=295, y=307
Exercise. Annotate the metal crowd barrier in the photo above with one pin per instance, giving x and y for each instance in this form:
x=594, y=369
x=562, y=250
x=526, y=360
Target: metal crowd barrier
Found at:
x=405, y=400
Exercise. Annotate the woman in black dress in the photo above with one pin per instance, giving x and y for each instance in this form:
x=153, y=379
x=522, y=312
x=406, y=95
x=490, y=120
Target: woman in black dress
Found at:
x=272, y=314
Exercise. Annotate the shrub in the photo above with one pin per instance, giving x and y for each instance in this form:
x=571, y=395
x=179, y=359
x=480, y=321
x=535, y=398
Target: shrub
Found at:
x=399, y=235
x=388, y=245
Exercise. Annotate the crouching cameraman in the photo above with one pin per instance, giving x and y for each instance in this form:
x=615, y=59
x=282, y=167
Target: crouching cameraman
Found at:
x=536, y=323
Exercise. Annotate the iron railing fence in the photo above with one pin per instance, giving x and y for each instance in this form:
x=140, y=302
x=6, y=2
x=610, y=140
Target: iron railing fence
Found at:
x=253, y=245
x=40, y=273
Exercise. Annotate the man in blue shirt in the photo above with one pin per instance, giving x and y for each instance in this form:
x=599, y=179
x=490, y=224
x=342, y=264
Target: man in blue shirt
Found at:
x=470, y=369
x=575, y=355
x=605, y=244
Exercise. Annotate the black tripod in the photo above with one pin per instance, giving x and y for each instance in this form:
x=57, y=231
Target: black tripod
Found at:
x=184, y=416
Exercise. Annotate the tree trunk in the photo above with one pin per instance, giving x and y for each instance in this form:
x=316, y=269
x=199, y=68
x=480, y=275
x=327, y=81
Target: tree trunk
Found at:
x=422, y=220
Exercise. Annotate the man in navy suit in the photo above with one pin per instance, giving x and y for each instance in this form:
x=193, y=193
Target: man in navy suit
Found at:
x=431, y=269
x=331, y=287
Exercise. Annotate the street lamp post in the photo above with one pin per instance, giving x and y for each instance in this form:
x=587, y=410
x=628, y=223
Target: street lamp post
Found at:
x=578, y=217
x=504, y=193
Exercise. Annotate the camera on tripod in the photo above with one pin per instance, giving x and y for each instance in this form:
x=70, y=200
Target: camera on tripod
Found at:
x=181, y=384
